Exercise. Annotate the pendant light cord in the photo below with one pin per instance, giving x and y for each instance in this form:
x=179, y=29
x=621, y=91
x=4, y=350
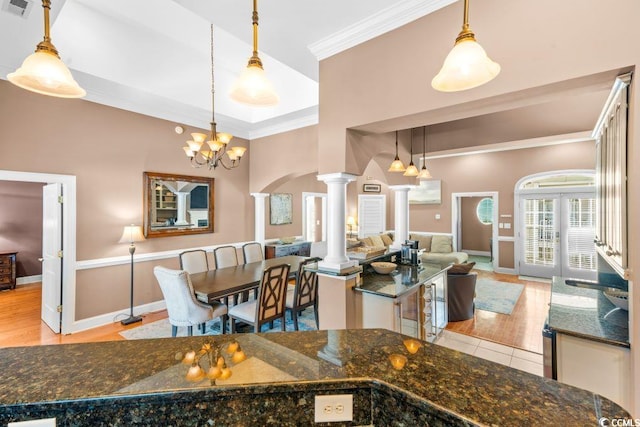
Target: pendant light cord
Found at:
x=214, y=132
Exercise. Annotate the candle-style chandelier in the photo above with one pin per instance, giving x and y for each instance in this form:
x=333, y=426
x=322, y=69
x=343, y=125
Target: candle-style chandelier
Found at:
x=217, y=143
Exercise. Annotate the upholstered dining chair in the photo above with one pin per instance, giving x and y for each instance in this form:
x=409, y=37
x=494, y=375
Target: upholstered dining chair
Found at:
x=194, y=261
x=304, y=294
x=225, y=256
x=183, y=307
x=252, y=252
x=270, y=304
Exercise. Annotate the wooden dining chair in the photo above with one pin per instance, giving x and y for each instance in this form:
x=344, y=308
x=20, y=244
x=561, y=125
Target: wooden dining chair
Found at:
x=252, y=252
x=270, y=304
x=194, y=261
x=225, y=256
x=183, y=307
x=304, y=294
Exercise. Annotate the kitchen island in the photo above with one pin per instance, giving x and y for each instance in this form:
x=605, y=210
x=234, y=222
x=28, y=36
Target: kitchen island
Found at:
x=142, y=382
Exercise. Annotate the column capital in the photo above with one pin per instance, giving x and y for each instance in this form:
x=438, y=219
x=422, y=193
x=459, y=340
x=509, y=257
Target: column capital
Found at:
x=402, y=187
x=260, y=195
x=339, y=177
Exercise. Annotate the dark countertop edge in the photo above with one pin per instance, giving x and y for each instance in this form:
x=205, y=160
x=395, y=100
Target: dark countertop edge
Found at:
x=589, y=337
x=559, y=282
x=306, y=385
x=362, y=287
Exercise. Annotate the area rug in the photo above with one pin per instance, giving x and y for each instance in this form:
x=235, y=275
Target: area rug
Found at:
x=162, y=328
x=482, y=262
x=498, y=297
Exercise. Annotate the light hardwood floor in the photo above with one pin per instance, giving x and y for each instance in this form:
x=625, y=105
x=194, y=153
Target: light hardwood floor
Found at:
x=20, y=323
x=522, y=328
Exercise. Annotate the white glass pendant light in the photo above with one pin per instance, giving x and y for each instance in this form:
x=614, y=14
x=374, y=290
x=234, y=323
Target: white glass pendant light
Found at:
x=43, y=71
x=412, y=170
x=253, y=87
x=467, y=65
x=424, y=172
x=397, y=165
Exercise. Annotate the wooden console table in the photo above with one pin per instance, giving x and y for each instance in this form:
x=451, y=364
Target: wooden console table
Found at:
x=8, y=270
x=295, y=248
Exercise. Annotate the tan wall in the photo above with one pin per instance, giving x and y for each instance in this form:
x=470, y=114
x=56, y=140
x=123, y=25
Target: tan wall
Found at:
x=21, y=224
x=475, y=235
x=107, y=149
x=282, y=157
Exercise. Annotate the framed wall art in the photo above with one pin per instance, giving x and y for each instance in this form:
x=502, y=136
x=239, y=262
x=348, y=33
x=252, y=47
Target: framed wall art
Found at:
x=371, y=188
x=427, y=193
x=280, y=208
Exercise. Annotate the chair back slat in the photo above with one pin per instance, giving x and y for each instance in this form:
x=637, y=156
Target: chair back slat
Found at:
x=306, y=290
x=272, y=294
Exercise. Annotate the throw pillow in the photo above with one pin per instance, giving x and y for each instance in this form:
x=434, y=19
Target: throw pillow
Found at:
x=366, y=241
x=441, y=244
x=376, y=241
x=386, y=239
x=424, y=242
x=461, y=268
x=353, y=243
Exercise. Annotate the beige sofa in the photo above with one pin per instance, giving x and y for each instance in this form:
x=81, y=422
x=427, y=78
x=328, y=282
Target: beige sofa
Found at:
x=438, y=248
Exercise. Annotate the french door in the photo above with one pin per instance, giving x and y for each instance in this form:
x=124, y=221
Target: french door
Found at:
x=557, y=235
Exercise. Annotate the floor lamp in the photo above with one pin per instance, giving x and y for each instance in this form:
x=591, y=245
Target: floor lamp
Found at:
x=131, y=234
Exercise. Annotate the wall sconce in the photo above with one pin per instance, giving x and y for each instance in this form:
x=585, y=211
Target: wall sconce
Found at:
x=210, y=362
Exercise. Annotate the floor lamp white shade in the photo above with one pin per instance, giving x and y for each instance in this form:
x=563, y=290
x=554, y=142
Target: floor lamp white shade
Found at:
x=131, y=234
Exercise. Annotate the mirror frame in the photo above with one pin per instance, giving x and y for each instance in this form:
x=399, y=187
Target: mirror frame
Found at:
x=148, y=178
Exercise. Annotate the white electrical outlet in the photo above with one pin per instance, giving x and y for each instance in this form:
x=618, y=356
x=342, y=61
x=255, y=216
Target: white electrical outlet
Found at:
x=334, y=407
x=45, y=422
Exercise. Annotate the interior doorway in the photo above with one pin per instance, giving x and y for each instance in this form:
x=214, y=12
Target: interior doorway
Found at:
x=67, y=234
x=474, y=219
x=314, y=214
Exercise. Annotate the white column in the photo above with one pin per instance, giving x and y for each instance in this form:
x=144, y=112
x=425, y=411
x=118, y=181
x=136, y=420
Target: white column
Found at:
x=181, y=198
x=259, y=216
x=401, y=232
x=336, y=259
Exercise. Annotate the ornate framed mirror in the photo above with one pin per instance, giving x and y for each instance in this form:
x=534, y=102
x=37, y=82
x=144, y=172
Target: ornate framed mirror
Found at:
x=177, y=205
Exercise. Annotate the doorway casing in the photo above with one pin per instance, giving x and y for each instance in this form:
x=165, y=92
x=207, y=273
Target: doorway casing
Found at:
x=456, y=200
x=68, y=183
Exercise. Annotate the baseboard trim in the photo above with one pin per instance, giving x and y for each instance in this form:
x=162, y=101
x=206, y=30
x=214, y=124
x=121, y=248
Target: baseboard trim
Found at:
x=477, y=253
x=505, y=270
x=28, y=279
x=116, y=316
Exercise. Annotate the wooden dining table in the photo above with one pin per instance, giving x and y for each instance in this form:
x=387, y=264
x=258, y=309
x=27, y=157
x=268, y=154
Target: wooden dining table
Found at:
x=213, y=285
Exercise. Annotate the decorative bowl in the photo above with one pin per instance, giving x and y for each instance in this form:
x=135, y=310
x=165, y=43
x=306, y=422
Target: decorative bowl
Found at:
x=618, y=298
x=287, y=240
x=383, y=267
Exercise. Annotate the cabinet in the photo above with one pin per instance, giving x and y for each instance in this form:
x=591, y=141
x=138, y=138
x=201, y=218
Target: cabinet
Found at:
x=610, y=134
x=165, y=205
x=8, y=270
x=296, y=248
x=595, y=366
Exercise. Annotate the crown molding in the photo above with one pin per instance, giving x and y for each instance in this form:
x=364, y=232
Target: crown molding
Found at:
x=388, y=19
x=281, y=126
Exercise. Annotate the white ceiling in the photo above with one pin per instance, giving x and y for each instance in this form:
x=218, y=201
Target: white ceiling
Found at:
x=152, y=56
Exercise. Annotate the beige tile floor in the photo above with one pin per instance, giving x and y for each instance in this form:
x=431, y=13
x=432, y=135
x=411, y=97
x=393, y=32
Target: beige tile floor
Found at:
x=509, y=356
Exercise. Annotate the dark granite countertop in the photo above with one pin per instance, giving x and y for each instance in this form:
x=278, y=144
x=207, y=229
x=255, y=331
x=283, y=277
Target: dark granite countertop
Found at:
x=399, y=282
x=476, y=391
x=586, y=313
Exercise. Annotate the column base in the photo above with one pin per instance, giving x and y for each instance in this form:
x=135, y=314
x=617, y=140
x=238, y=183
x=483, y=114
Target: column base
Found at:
x=337, y=267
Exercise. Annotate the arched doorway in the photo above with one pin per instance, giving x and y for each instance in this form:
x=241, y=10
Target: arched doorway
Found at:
x=555, y=224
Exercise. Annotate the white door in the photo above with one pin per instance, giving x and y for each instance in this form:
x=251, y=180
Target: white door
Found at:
x=372, y=215
x=51, y=256
x=540, y=236
x=557, y=235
